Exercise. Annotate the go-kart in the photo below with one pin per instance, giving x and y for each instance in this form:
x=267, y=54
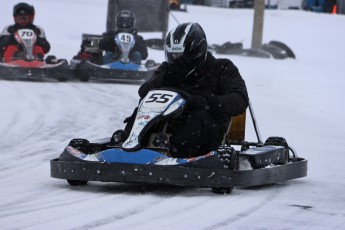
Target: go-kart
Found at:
x=26, y=66
x=144, y=156
x=117, y=71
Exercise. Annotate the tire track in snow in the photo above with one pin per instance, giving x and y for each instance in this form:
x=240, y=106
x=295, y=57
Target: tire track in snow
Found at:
x=269, y=195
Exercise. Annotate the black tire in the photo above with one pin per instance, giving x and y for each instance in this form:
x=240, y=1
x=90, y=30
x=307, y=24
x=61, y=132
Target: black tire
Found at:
x=63, y=60
x=236, y=4
x=62, y=79
x=222, y=190
x=228, y=48
x=77, y=142
x=279, y=141
x=150, y=63
x=62, y=76
x=276, y=52
x=79, y=74
x=77, y=182
x=84, y=79
x=282, y=46
x=50, y=59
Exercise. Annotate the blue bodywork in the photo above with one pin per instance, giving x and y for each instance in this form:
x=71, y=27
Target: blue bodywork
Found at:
x=122, y=66
x=142, y=156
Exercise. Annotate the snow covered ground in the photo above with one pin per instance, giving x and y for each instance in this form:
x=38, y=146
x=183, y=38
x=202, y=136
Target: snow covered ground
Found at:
x=301, y=100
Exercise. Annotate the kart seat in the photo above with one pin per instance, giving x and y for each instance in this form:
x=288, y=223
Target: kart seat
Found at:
x=236, y=130
x=91, y=42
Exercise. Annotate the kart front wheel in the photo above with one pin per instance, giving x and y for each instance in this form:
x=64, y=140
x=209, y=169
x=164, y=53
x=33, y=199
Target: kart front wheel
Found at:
x=77, y=182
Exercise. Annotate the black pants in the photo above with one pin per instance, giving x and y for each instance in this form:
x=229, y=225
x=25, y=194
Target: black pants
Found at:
x=195, y=134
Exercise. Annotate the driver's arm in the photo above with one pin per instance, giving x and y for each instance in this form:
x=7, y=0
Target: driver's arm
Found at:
x=107, y=43
x=140, y=46
x=156, y=81
x=41, y=38
x=6, y=37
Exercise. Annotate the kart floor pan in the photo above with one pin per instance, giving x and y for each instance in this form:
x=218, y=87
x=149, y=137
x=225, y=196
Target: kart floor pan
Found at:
x=176, y=175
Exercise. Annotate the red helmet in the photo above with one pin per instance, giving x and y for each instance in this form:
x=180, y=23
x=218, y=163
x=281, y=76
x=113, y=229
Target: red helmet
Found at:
x=23, y=14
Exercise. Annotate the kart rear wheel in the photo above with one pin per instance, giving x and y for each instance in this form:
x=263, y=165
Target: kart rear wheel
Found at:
x=80, y=74
x=84, y=78
x=77, y=182
x=62, y=79
x=222, y=190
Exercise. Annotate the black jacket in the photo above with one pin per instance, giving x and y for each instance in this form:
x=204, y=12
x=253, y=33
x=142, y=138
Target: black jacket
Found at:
x=7, y=36
x=108, y=44
x=218, y=82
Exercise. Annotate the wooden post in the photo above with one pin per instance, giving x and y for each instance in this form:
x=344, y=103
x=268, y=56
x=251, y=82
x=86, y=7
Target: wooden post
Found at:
x=258, y=24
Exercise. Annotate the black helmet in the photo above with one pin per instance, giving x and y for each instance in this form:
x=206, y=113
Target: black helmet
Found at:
x=23, y=9
x=187, y=39
x=23, y=13
x=125, y=20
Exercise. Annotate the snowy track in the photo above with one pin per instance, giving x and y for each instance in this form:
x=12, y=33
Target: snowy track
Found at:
x=301, y=100
x=39, y=125
x=45, y=116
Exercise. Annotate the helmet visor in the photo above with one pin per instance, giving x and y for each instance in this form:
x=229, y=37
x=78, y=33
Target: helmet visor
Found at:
x=23, y=19
x=173, y=51
x=125, y=22
x=171, y=57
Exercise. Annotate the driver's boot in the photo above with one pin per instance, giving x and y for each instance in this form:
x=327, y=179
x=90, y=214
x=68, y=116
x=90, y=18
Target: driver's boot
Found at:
x=118, y=137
